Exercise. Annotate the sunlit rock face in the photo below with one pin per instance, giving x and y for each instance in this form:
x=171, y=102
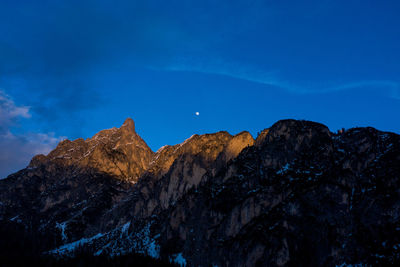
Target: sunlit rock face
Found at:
x=76, y=182
x=236, y=145
x=297, y=195
x=120, y=152
x=207, y=147
x=175, y=170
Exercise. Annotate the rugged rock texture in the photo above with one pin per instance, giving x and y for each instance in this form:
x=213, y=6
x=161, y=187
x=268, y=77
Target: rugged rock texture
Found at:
x=120, y=152
x=66, y=192
x=298, y=195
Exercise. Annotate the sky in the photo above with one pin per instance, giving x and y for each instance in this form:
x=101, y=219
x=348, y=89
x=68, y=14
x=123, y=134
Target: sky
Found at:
x=69, y=69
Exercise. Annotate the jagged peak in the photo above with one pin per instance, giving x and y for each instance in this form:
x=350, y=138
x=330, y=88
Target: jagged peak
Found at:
x=129, y=125
x=125, y=139
x=98, y=152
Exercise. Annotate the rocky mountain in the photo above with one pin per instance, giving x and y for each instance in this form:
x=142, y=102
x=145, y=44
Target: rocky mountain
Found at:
x=297, y=195
x=118, y=152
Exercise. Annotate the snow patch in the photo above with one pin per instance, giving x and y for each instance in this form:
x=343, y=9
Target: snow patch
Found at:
x=114, y=243
x=178, y=259
x=144, y=244
x=125, y=227
x=70, y=247
x=62, y=227
x=14, y=218
x=284, y=169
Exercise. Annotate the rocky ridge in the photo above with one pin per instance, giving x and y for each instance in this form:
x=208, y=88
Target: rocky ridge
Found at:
x=297, y=195
x=120, y=152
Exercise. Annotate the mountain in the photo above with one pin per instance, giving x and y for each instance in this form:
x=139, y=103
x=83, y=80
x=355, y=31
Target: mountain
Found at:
x=118, y=152
x=297, y=195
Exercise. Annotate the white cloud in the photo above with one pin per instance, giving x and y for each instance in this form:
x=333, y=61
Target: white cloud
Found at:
x=16, y=150
x=9, y=112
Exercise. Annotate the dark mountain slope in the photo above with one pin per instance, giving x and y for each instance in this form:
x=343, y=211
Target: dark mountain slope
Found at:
x=303, y=196
x=298, y=195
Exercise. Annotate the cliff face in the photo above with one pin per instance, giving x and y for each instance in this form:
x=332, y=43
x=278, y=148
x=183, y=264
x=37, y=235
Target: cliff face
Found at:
x=297, y=195
x=120, y=152
x=303, y=196
x=75, y=183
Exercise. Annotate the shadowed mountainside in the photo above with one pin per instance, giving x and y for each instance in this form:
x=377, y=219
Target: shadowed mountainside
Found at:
x=298, y=195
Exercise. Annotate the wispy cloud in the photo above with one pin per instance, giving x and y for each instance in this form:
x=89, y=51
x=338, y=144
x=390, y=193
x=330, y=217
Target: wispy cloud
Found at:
x=16, y=150
x=272, y=78
x=389, y=88
x=9, y=112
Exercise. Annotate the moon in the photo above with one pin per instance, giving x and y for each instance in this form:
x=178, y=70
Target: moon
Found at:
x=197, y=113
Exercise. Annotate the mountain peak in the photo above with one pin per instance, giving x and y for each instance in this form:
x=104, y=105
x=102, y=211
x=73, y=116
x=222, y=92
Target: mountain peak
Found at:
x=129, y=124
x=116, y=151
x=273, y=195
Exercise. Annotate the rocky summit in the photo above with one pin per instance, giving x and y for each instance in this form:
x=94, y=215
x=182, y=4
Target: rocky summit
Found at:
x=297, y=195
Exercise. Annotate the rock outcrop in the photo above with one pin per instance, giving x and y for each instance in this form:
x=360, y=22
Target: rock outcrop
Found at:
x=120, y=152
x=298, y=195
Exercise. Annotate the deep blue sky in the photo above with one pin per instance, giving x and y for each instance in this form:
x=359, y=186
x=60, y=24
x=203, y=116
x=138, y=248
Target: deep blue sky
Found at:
x=71, y=68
